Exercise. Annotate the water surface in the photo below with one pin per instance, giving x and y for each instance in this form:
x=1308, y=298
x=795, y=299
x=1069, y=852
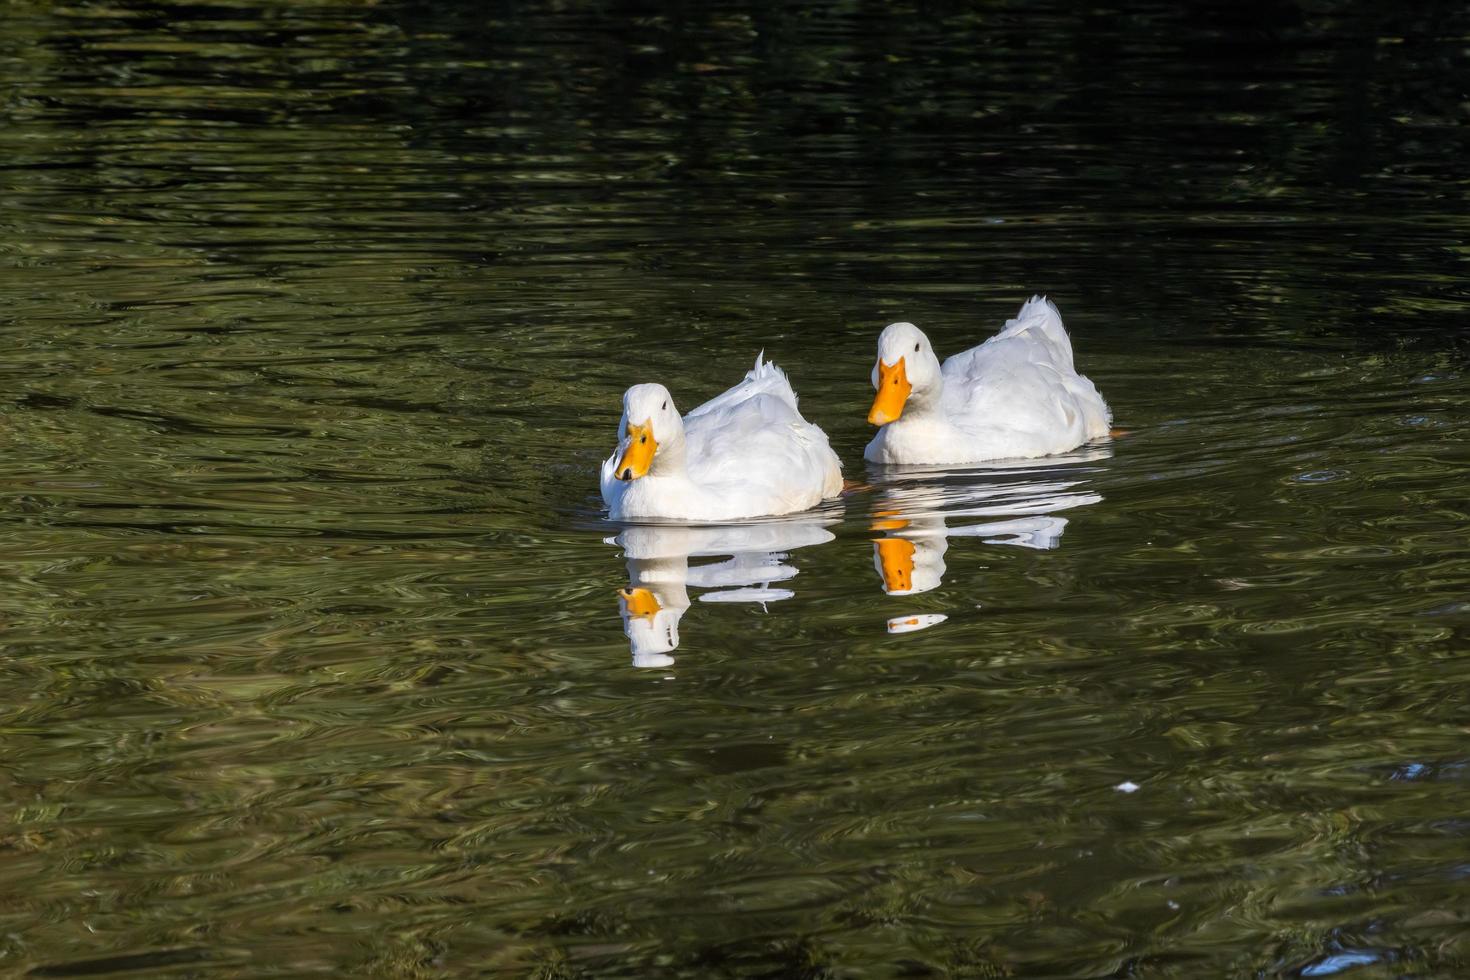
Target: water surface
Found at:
x=318, y=655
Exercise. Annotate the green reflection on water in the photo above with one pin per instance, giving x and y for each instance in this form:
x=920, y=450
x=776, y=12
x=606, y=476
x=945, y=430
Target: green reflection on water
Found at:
x=314, y=659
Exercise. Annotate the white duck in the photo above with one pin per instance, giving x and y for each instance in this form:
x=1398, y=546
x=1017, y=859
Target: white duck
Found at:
x=1015, y=396
x=745, y=453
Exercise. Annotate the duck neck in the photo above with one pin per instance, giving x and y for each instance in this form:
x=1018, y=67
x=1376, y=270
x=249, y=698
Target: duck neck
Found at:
x=923, y=403
x=671, y=460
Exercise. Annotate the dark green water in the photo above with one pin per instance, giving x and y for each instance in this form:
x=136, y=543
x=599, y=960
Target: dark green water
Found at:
x=316, y=321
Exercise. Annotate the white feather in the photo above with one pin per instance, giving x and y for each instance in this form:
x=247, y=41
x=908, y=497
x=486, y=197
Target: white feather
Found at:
x=1017, y=395
x=747, y=452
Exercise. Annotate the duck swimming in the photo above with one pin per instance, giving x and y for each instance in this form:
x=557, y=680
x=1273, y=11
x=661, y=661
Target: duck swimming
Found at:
x=1017, y=395
x=745, y=453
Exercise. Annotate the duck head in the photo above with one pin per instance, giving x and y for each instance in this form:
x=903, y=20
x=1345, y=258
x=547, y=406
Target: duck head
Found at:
x=906, y=372
x=649, y=433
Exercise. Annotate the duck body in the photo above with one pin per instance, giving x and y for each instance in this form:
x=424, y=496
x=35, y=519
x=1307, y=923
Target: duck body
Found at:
x=1017, y=395
x=748, y=452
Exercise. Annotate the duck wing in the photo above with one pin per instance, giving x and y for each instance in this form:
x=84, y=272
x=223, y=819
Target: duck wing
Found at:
x=1023, y=379
x=763, y=379
x=754, y=437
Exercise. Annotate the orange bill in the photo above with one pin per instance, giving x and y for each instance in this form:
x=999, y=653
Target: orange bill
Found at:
x=893, y=391
x=639, y=454
x=638, y=603
x=887, y=520
x=896, y=560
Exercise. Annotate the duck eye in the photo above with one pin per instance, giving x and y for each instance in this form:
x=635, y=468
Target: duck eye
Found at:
x=665, y=406
x=916, y=348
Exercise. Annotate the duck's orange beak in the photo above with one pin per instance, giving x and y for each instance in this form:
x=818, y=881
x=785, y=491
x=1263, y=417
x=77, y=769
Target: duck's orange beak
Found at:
x=896, y=560
x=639, y=454
x=638, y=603
x=887, y=520
x=893, y=391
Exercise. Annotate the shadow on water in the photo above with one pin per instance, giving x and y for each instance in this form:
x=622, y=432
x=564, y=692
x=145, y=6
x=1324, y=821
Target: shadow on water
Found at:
x=916, y=512
x=660, y=574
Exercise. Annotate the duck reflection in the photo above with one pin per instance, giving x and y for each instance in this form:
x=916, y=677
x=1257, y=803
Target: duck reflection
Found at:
x=915, y=510
x=660, y=574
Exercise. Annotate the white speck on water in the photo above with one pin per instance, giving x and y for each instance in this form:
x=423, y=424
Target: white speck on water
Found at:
x=1127, y=786
x=910, y=624
x=1173, y=905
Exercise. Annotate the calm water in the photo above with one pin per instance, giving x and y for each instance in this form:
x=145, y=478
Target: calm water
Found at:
x=316, y=320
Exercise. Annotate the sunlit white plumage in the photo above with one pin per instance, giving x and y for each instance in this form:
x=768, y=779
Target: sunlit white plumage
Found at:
x=745, y=453
x=1017, y=395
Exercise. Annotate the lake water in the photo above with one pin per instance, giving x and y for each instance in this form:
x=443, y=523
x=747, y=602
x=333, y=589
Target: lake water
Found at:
x=317, y=317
